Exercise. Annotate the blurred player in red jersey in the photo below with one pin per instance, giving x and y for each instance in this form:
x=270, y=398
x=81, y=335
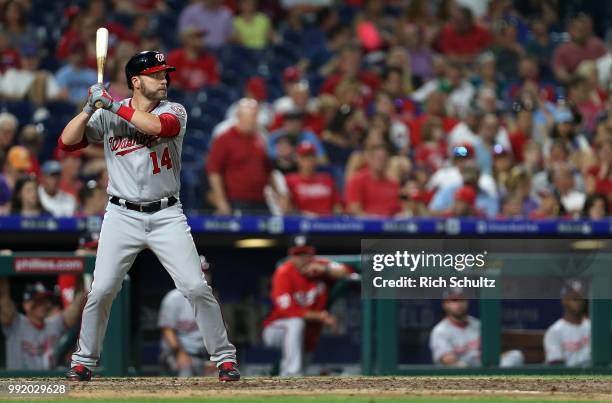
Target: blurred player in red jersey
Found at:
x=299, y=296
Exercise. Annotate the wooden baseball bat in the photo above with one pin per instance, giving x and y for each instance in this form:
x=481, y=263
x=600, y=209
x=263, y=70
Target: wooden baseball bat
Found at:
x=101, y=49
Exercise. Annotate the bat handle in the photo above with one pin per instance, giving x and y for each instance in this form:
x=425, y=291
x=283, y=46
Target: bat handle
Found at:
x=99, y=104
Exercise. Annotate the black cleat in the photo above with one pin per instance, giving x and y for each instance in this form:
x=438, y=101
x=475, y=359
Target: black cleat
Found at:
x=228, y=372
x=79, y=373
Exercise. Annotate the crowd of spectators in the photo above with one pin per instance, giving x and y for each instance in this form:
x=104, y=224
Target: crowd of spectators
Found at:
x=398, y=108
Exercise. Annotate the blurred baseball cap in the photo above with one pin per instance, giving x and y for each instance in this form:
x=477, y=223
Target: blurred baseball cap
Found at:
x=368, y=35
x=51, y=167
x=256, y=86
x=574, y=287
x=454, y=293
x=306, y=148
x=499, y=150
x=19, y=158
x=35, y=291
x=291, y=74
x=563, y=116
x=60, y=154
x=463, y=150
x=466, y=194
x=301, y=244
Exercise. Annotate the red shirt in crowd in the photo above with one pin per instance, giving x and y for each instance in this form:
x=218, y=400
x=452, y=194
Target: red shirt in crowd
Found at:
x=316, y=194
x=293, y=294
x=518, y=140
x=603, y=184
x=470, y=42
x=570, y=54
x=377, y=196
x=193, y=74
x=242, y=162
x=431, y=155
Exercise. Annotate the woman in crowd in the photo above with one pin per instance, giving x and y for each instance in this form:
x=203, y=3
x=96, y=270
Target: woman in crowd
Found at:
x=25, y=200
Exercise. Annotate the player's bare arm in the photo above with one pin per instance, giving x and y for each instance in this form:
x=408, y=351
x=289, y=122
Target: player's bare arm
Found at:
x=320, y=316
x=333, y=270
x=73, y=311
x=182, y=358
x=222, y=206
x=169, y=335
x=355, y=209
x=7, y=306
x=281, y=197
x=75, y=129
x=449, y=359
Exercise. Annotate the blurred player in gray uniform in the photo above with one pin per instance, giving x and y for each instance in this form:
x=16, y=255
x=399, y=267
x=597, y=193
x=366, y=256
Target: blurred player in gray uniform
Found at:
x=182, y=349
x=568, y=340
x=31, y=338
x=142, y=139
x=455, y=340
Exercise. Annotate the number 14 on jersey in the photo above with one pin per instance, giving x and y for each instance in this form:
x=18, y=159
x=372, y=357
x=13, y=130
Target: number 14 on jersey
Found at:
x=166, y=161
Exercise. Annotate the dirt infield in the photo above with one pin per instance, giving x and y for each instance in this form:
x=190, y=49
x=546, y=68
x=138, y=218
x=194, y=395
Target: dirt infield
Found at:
x=582, y=387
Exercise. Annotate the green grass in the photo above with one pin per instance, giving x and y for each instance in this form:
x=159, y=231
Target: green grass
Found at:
x=320, y=399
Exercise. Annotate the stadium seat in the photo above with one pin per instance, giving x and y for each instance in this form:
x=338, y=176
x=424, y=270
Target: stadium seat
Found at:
x=191, y=154
x=191, y=185
x=60, y=108
x=214, y=111
x=22, y=110
x=198, y=139
x=52, y=130
x=221, y=94
x=286, y=52
x=275, y=88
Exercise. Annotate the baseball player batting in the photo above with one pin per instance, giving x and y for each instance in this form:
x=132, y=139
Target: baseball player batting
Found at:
x=142, y=139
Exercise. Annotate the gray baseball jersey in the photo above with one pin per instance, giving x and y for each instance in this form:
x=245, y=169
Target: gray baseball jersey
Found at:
x=177, y=313
x=30, y=347
x=463, y=341
x=141, y=168
x=568, y=342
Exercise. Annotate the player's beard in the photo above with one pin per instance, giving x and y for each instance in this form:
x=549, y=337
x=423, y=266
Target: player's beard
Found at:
x=153, y=94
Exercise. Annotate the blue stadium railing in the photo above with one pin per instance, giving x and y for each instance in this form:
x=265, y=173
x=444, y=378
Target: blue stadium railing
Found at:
x=338, y=225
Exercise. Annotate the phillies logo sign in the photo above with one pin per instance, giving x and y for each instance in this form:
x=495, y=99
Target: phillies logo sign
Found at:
x=160, y=57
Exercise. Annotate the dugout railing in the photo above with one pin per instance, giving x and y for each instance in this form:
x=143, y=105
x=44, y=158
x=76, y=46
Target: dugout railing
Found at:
x=116, y=353
x=380, y=339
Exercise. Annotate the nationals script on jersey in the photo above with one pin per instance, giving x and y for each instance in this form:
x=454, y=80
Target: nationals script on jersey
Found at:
x=141, y=168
